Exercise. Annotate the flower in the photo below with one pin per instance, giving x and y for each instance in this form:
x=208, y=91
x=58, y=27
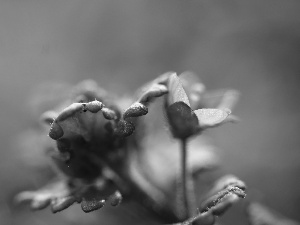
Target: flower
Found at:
x=185, y=122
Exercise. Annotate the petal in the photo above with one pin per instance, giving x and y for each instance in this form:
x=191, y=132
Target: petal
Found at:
x=193, y=87
x=211, y=117
x=220, y=99
x=176, y=91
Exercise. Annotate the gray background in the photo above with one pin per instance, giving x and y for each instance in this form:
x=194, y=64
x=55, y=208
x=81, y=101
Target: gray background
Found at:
x=252, y=46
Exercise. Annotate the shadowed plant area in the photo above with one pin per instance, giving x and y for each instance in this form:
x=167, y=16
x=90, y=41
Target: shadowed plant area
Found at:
x=97, y=129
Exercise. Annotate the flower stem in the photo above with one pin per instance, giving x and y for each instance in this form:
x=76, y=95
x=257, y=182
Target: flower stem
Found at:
x=184, y=177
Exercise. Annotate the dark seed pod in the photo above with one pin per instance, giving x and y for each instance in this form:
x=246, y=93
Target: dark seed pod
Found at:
x=116, y=198
x=124, y=128
x=56, y=131
x=94, y=106
x=109, y=114
x=92, y=205
x=135, y=110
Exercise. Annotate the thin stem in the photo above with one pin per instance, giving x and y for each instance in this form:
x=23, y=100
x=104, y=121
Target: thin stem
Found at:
x=184, y=176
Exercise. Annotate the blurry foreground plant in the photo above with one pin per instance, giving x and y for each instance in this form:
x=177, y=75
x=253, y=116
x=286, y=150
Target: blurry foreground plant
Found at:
x=99, y=153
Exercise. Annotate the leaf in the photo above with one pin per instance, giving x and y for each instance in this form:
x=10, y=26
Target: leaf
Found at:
x=176, y=91
x=211, y=117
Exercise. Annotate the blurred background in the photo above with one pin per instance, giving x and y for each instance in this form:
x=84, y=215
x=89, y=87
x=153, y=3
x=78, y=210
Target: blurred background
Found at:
x=251, y=46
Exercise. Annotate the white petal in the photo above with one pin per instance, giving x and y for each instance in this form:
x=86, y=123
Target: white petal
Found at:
x=176, y=91
x=211, y=117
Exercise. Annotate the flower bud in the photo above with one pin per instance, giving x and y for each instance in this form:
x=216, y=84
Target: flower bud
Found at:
x=116, y=198
x=109, y=114
x=135, y=110
x=183, y=121
x=92, y=205
x=94, y=106
x=56, y=131
x=124, y=128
